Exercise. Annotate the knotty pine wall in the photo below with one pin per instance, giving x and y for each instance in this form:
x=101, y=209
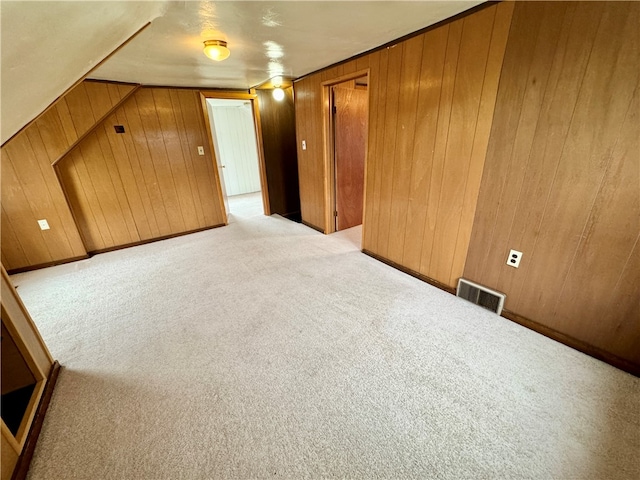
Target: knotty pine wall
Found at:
x=431, y=104
x=562, y=175
x=30, y=189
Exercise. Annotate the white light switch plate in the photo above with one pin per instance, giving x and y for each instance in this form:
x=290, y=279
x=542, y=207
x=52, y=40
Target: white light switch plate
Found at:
x=200, y=150
x=44, y=225
x=304, y=144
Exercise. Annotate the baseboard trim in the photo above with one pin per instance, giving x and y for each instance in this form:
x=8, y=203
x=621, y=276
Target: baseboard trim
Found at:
x=151, y=240
x=24, y=460
x=318, y=229
x=13, y=271
x=587, y=349
x=592, y=351
x=413, y=273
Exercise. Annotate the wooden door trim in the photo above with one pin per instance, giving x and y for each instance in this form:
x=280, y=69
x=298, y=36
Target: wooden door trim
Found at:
x=328, y=143
x=253, y=98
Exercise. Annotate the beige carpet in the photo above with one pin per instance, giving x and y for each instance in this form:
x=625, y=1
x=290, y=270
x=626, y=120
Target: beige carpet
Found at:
x=267, y=350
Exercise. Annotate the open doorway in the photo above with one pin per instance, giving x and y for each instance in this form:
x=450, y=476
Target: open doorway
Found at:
x=349, y=104
x=235, y=138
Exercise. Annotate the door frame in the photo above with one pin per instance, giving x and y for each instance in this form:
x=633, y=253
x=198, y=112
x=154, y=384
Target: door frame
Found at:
x=253, y=98
x=328, y=144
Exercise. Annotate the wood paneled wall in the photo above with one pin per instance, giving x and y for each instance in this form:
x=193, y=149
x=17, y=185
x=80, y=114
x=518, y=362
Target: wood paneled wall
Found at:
x=280, y=157
x=310, y=105
x=144, y=184
x=149, y=182
x=30, y=190
x=431, y=103
x=562, y=176
x=432, y=100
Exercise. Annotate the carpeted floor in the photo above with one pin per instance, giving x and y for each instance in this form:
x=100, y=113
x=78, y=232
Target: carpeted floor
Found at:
x=267, y=350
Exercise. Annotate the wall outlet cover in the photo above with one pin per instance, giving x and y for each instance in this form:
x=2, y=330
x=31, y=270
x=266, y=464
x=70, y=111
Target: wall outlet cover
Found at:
x=514, y=258
x=44, y=225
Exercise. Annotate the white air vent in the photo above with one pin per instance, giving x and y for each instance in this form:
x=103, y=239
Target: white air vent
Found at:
x=483, y=296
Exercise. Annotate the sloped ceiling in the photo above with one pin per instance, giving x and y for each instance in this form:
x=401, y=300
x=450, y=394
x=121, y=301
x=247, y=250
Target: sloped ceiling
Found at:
x=47, y=46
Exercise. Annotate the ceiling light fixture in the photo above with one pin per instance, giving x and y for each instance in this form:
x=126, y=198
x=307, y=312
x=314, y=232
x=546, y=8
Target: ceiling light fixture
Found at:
x=216, y=50
x=278, y=94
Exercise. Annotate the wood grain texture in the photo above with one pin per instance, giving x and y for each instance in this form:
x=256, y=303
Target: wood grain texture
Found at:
x=148, y=182
x=308, y=106
x=350, y=123
x=431, y=104
x=280, y=153
x=37, y=364
x=562, y=175
x=30, y=189
x=23, y=331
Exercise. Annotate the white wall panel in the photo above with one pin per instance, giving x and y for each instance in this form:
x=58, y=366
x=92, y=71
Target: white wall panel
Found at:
x=236, y=142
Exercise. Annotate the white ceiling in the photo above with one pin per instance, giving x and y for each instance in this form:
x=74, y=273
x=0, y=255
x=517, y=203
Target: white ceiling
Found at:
x=266, y=39
x=47, y=46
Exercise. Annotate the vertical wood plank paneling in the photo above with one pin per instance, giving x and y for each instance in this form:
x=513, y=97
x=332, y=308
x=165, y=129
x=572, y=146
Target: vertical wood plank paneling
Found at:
x=370, y=166
x=308, y=102
x=403, y=155
x=501, y=25
x=428, y=106
x=562, y=178
x=374, y=198
x=607, y=225
x=470, y=72
x=203, y=166
x=605, y=93
x=77, y=196
x=442, y=137
x=139, y=185
x=157, y=148
x=31, y=247
x=392, y=100
x=147, y=166
x=198, y=200
x=79, y=105
x=431, y=103
x=61, y=110
x=141, y=213
x=121, y=217
x=177, y=163
x=13, y=251
x=41, y=196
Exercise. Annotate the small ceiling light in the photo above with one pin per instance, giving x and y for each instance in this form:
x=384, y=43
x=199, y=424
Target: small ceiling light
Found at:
x=216, y=50
x=278, y=94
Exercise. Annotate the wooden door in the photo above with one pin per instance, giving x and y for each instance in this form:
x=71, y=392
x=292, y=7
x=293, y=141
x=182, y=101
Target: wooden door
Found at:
x=350, y=137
